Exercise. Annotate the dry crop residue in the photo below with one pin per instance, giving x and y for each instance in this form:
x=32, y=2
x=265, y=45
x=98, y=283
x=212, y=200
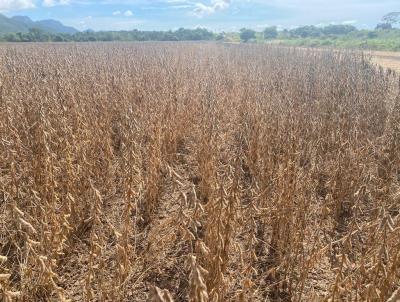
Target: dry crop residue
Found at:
x=197, y=172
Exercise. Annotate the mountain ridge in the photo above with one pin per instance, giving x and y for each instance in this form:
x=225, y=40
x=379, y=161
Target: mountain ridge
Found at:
x=23, y=24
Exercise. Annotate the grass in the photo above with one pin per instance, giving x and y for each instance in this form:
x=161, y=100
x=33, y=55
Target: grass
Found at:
x=345, y=43
x=197, y=172
x=379, y=40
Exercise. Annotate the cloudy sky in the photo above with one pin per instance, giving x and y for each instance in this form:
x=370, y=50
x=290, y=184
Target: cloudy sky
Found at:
x=213, y=14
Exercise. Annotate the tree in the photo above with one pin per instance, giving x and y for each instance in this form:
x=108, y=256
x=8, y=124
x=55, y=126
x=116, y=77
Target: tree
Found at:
x=372, y=35
x=391, y=18
x=220, y=37
x=270, y=33
x=306, y=31
x=58, y=38
x=247, y=34
x=384, y=26
x=341, y=29
x=11, y=37
x=37, y=35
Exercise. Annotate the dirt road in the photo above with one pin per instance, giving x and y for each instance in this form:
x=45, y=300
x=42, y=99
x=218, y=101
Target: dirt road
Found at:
x=387, y=59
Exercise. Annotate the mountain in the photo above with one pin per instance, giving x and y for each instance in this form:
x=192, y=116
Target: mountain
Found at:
x=23, y=24
x=55, y=26
x=8, y=25
x=23, y=20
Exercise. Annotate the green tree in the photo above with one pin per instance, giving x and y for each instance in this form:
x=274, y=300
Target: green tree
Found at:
x=220, y=37
x=57, y=38
x=270, y=33
x=11, y=37
x=341, y=29
x=37, y=35
x=247, y=34
x=384, y=26
x=372, y=35
x=391, y=18
x=306, y=31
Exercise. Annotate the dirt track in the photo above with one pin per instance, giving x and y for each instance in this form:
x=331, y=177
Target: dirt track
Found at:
x=387, y=59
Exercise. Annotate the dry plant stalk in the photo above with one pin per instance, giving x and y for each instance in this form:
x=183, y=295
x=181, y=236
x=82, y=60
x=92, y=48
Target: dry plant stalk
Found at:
x=275, y=172
x=158, y=295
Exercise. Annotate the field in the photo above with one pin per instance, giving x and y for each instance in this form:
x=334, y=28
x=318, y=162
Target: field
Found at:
x=387, y=59
x=197, y=172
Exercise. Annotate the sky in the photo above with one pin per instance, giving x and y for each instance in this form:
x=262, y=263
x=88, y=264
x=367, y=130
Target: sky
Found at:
x=216, y=15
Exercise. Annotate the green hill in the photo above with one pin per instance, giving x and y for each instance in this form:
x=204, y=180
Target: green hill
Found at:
x=23, y=24
x=8, y=25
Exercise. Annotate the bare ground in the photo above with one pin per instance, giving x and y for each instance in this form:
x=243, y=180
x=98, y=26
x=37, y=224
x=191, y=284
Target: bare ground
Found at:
x=387, y=59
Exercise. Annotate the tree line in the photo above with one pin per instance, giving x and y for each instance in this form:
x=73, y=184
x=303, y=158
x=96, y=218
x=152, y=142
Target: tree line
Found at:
x=199, y=34
x=182, y=34
x=310, y=31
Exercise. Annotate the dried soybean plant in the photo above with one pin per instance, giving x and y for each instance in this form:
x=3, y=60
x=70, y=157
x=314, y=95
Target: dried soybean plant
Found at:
x=197, y=172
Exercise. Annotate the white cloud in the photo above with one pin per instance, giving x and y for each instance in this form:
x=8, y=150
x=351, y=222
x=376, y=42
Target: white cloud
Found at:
x=216, y=5
x=16, y=4
x=346, y=22
x=349, y=22
x=176, y=1
x=85, y=20
x=180, y=6
x=128, y=13
x=202, y=10
x=51, y=3
x=262, y=25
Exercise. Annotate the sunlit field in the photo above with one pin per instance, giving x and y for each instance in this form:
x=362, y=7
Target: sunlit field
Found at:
x=387, y=59
x=197, y=172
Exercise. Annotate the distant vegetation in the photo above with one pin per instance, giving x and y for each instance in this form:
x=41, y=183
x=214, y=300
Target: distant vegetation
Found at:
x=247, y=34
x=384, y=37
x=342, y=36
x=182, y=34
x=379, y=39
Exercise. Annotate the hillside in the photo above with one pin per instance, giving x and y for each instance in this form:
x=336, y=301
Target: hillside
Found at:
x=23, y=24
x=8, y=25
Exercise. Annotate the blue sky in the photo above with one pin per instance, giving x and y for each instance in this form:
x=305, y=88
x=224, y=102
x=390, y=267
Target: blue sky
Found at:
x=217, y=15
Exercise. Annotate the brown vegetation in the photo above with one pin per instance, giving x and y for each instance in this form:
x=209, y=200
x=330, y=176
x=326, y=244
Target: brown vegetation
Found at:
x=197, y=172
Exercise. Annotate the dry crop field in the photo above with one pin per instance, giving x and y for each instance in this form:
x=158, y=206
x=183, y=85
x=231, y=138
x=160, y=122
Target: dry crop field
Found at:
x=197, y=172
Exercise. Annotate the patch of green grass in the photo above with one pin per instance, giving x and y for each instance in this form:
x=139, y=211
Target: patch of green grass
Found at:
x=372, y=44
x=388, y=40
